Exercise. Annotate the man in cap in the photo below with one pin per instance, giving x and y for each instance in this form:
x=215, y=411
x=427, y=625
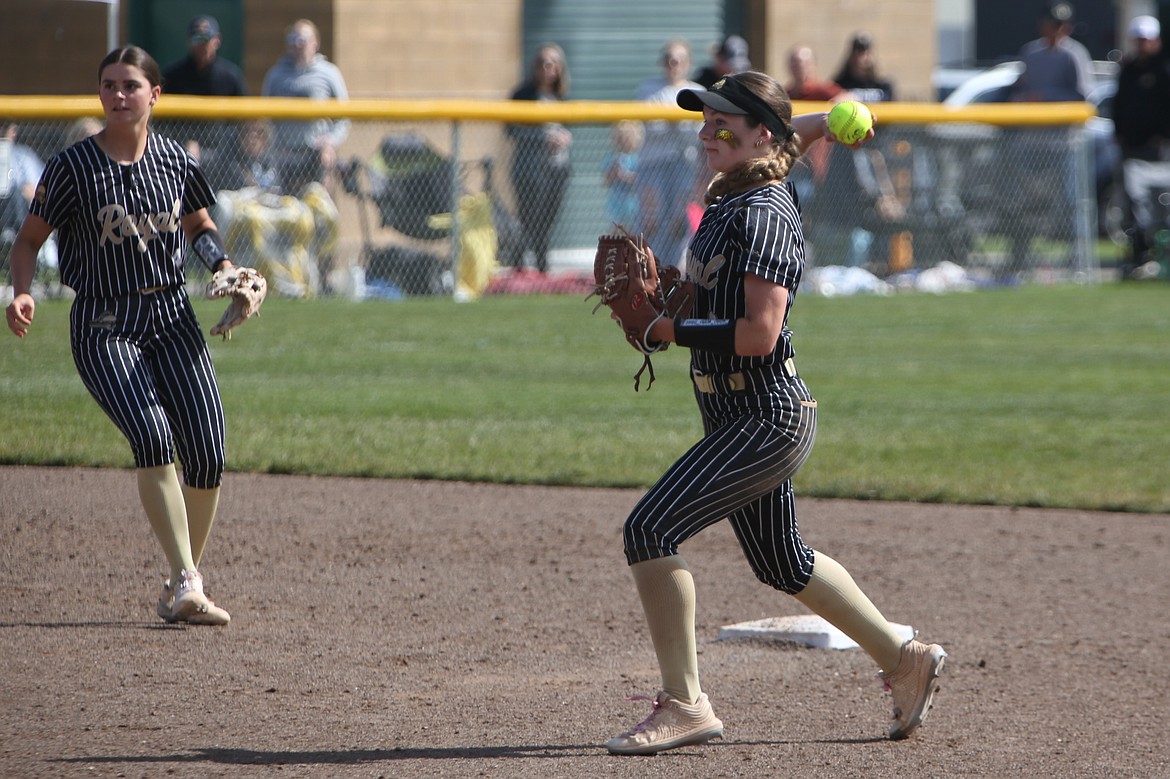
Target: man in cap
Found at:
x=1056, y=67
x=730, y=57
x=1141, y=124
x=202, y=72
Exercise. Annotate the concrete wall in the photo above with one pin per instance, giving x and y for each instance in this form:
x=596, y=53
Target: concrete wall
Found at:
x=406, y=48
x=449, y=48
x=903, y=35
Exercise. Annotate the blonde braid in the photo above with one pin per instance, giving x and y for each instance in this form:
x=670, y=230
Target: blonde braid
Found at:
x=756, y=171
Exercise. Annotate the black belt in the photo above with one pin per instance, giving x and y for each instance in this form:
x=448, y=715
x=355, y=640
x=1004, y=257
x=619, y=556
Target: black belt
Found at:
x=727, y=383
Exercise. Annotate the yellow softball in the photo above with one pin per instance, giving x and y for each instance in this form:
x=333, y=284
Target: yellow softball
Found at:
x=849, y=121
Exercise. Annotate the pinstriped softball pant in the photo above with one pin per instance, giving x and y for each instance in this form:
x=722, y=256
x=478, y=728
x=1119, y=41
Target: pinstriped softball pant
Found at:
x=741, y=470
x=145, y=362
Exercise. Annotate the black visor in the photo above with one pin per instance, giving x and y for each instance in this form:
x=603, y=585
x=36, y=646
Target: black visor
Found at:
x=728, y=96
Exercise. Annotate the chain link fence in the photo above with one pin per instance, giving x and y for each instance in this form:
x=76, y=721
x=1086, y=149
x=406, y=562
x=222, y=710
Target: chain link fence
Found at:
x=500, y=203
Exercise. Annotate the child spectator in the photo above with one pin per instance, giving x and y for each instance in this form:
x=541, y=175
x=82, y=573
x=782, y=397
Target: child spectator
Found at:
x=619, y=169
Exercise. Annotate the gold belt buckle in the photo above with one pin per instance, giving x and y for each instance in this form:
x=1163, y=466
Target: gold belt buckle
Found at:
x=736, y=382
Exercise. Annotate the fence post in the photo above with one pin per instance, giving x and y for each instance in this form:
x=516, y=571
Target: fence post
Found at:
x=1086, y=222
x=456, y=187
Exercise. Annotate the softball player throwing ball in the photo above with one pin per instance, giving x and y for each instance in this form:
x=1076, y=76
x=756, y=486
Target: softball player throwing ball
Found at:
x=121, y=202
x=759, y=418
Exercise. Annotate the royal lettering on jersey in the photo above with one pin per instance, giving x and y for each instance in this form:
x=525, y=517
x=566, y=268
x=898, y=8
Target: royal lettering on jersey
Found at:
x=118, y=225
x=703, y=273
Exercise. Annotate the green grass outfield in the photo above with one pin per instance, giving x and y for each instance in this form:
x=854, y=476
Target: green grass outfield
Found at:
x=1036, y=396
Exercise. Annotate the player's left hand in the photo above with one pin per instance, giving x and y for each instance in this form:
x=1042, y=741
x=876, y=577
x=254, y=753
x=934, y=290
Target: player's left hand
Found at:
x=247, y=290
x=639, y=291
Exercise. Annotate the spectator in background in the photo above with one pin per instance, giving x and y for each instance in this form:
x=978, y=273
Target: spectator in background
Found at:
x=286, y=228
x=806, y=84
x=619, y=172
x=304, y=72
x=1141, y=123
x=862, y=184
x=859, y=75
x=20, y=167
x=251, y=164
x=20, y=172
x=670, y=176
x=203, y=72
x=80, y=129
x=730, y=57
x=540, y=154
x=1056, y=67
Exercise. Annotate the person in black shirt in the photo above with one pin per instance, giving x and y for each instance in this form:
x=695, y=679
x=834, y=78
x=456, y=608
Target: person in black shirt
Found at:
x=203, y=72
x=858, y=73
x=730, y=57
x=1141, y=124
x=540, y=166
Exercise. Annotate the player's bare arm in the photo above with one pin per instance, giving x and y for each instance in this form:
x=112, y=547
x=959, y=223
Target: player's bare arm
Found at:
x=755, y=334
x=33, y=234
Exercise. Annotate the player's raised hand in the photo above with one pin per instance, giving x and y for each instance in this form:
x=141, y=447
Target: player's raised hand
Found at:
x=831, y=138
x=849, y=123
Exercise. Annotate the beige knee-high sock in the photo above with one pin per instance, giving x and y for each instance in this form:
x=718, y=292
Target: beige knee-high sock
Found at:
x=201, y=506
x=834, y=595
x=667, y=591
x=162, y=497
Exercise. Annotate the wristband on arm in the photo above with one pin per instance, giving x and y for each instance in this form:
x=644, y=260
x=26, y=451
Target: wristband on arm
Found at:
x=710, y=335
x=208, y=247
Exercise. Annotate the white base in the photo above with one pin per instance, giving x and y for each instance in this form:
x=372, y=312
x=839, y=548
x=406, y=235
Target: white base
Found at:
x=808, y=629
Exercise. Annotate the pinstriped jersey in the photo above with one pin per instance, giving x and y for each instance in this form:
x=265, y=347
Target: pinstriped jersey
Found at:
x=118, y=226
x=759, y=232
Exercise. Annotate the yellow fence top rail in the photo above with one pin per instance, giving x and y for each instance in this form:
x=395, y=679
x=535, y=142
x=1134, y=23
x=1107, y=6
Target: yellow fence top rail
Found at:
x=42, y=107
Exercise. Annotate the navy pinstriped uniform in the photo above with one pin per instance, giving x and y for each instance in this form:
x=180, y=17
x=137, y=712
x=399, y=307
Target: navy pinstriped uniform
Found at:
x=755, y=437
x=135, y=339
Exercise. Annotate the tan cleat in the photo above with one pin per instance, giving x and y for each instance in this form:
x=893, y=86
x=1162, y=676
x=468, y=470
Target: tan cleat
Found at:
x=166, y=602
x=913, y=685
x=671, y=724
x=187, y=603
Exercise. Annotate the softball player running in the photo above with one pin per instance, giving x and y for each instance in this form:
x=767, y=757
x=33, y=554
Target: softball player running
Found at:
x=759, y=418
x=121, y=202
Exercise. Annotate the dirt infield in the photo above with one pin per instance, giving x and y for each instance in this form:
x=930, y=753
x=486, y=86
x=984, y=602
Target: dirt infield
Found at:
x=417, y=629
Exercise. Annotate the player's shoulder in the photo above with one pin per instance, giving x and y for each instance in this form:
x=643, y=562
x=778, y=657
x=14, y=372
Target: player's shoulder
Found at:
x=82, y=154
x=767, y=206
x=771, y=195
x=164, y=146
